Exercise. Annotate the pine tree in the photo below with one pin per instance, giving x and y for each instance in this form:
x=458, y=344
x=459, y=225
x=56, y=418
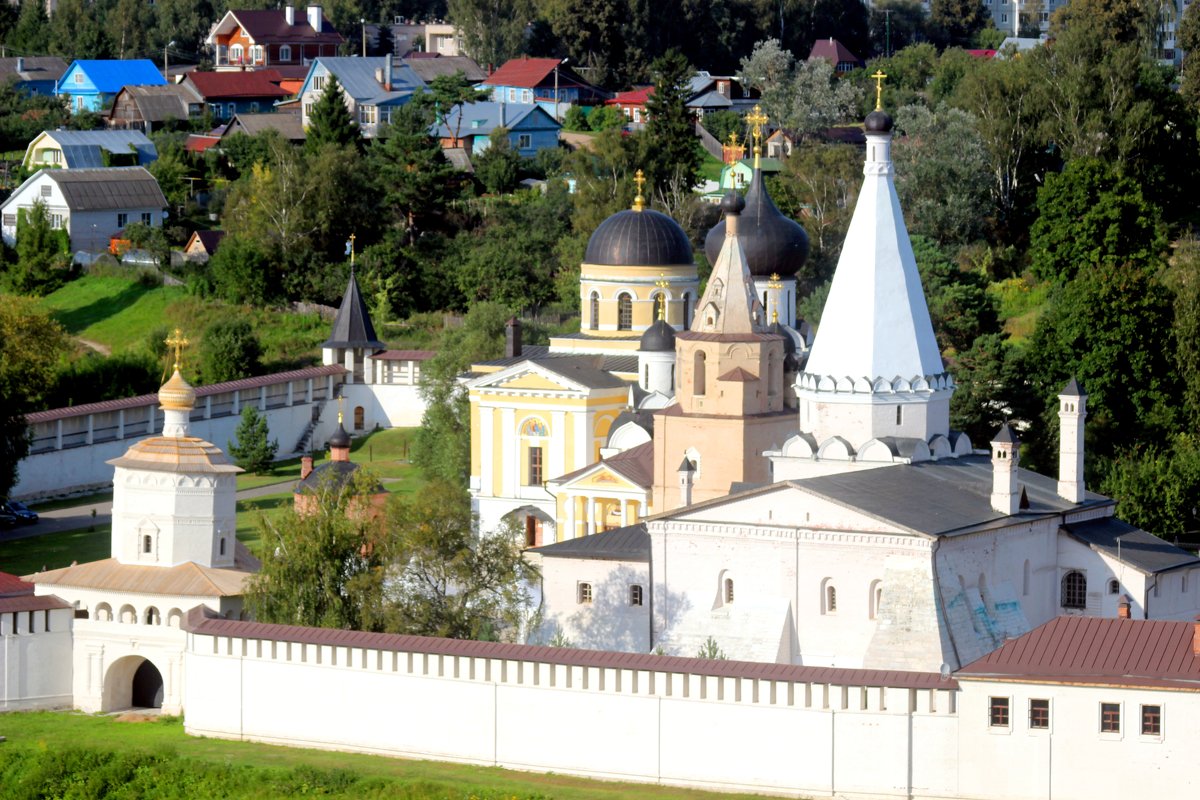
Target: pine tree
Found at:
x=670, y=149
x=253, y=452
x=331, y=122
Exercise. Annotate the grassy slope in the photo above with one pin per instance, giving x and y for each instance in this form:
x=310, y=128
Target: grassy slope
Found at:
x=54, y=550
x=48, y=731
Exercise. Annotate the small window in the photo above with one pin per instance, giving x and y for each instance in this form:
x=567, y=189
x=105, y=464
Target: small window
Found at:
x=899, y=415
x=1151, y=720
x=998, y=712
x=583, y=593
x=1074, y=590
x=594, y=310
x=221, y=547
x=535, y=466
x=729, y=590
x=122, y=220
x=147, y=543
x=1039, y=714
x=254, y=108
x=830, y=599
x=624, y=313
x=10, y=220
x=526, y=96
x=56, y=221
x=1110, y=717
x=524, y=141
x=79, y=78
x=46, y=190
x=318, y=83
x=285, y=52
x=635, y=595
x=1114, y=586
x=146, y=218
x=512, y=95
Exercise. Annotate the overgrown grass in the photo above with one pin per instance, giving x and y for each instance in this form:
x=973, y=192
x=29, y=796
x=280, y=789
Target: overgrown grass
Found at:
x=710, y=169
x=54, y=550
x=1020, y=302
x=44, y=757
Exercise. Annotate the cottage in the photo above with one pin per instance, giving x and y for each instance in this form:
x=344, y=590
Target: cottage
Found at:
x=287, y=125
x=148, y=107
x=545, y=81
x=373, y=88
x=530, y=128
x=91, y=84
x=32, y=74
x=89, y=149
x=244, y=39
x=835, y=53
x=202, y=244
x=229, y=93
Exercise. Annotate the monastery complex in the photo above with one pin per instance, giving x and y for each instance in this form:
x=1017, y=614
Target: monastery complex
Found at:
x=903, y=613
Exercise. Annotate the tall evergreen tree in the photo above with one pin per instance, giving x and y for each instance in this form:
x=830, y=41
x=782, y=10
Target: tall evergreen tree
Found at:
x=670, y=152
x=254, y=450
x=29, y=34
x=331, y=122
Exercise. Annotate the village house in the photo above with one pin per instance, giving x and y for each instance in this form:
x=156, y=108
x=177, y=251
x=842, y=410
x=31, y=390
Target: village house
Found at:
x=146, y=108
x=252, y=39
x=546, y=81
x=469, y=126
x=32, y=74
x=89, y=149
x=372, y=87
x=91, y=84
x=226, y=94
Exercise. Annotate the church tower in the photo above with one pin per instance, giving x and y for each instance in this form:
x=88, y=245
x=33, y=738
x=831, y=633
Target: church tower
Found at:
x=730, y=396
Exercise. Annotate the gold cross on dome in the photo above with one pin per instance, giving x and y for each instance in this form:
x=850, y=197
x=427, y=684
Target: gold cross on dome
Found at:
x=177, y=342
x=733, y=139
x=757, y=119
x=639, y=202
x=878, y=78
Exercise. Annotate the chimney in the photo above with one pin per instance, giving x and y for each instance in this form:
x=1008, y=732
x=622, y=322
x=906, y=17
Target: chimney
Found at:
x=1123, y=607
x=289, y=14
x=387, y=72
x=512, y=338
x=1072, y=409
x=687, y=479
x=20, y=64
x=1006, y=454
x=315, y=20
x=305, y=467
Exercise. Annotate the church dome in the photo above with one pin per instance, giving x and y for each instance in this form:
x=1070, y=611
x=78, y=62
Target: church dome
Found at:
x=658, y=338
x=773, y=244
x=339, y=438
x=878, y=121
x=177, y=394
x=635, y=238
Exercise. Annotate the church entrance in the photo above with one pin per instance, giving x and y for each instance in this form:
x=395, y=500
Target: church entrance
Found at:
x=132, y=682
x=147, y=687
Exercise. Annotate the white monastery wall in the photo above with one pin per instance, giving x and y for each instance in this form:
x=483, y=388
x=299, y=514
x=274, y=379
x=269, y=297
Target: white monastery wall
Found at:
x=384, y=405
x=35, y=659
x=704, y=730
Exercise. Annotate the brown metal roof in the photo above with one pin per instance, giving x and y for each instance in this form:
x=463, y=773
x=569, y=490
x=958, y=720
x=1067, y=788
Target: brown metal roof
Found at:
x=203, y=621
x=636, y=464
x=188, y=579
x=738, y=375
x=1098, y=651
x=30, y=602
x=201, y=391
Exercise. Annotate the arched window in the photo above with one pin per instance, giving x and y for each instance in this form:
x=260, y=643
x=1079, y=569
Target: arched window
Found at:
x=594, y=311
x=1074, y=589
x=147, y=544
x=103, y=612
x=1114, y=586
x=828, y=597
x=875, y=597
x=359, y=418
x=152, y=617
x=699, y=379
x=728, y=590
x=128, y=615
x=235, y=54
x=533, y=435
x=624, y=312
x=285, y=52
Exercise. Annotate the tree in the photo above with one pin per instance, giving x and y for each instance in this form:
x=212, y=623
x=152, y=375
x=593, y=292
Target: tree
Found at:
x=769, y=70
x=1183, y=278
x=323, y=568
x=954, y=23
x=229, y=350
x=253, y=451
x=43, y=253
x=30, y=345
x=819, y=99
x=895, y=24
x=711, y=651
x=76, y=32
x=1158, y=489
x=411, y=172
x=493, y=30
x=575, y=119
x=330, y=121
x=985, y=374
x=670, y=151
x=29, y=34
x=243, y=270
x=499, y=166
x=722, y=123
x=449, y=578
x=603, y=178
x=959, y=305
x=1031, y=18
x=444, y=93
x=1188, y=40
x=1089, y=215
x=129, y=23
x=274, y=206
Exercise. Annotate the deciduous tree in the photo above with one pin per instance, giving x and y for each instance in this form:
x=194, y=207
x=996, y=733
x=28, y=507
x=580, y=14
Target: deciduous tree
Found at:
x=954, y=23
x=229, y=350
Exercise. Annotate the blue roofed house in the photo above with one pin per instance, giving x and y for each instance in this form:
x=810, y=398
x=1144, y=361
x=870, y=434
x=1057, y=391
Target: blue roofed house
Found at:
x=89, y=149
x=92, y=84
x=374, y=87
x=530, y=127
x=32, y=74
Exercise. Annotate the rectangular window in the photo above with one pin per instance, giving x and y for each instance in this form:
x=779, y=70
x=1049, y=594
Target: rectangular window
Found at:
x=367, y=115
x=998, y=712
x=535, y=466
x=146, y=217
x=526, y=96
x=1039, y=714
x=308, y=109
x=122, y=220
x=1110, y=717
x=524, y=141
x=10, y=220
x=318, y=83
x=583, y=593
x=56, y=221
x=79, y=78
x=254, y=108
x=635, y=595
x=1151, y=720
x=46, y=190
x=56, y=156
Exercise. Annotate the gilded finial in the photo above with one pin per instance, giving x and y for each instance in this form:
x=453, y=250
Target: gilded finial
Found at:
x=340, y=401
x=757, y=119
x=775, y=286
x=662, y=283
x=177, y=342
x=878, y=77
x=639, y=202
x=733, y=142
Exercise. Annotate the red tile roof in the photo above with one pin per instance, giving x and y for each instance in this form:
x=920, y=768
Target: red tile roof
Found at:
x=637, y=97
x=203, y=621
x=271, y=26
x=224, y=85
x=201, y=391
x=1097, y=651
x=11, y=585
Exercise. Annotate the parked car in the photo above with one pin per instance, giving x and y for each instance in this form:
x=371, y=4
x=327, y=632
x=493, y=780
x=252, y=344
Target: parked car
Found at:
x=7, y=520
x=21, y=512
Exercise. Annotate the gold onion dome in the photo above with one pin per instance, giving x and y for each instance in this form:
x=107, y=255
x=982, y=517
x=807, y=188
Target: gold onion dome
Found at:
x=177, y=394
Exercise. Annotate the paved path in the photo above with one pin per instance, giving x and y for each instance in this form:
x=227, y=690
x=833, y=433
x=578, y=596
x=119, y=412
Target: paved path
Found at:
x=75, y=518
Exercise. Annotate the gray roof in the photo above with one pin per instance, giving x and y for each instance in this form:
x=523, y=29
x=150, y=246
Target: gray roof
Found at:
x=288, y=125
x=429, y=68
x=528, y=352
x=352, y=327
x=162, y=103
x=36, y=68
x=357, y=78
x=960, y=489
x=332, y=475
x=630, y=543
x=639, y=238
x=1072, y=389
x=459, y=159
x=626, y=364
x=480, y=119
x=108, y=188
x=1139, y=549
x=82, y=149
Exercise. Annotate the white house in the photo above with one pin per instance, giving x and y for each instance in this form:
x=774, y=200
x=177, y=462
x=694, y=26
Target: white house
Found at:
x=91, y=205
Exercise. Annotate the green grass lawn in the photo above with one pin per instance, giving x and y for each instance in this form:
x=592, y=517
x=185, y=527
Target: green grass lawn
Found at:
x=54, y=550
x=245, y=769
x=710, y=169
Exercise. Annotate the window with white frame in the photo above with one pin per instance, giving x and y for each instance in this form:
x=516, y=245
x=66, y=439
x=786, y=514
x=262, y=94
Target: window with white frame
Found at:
x=1114, y=586
x=308, y=109
x=318, y=83
x=526, y=96
x=635, y=595
x=1152, y=720
x=285, y=52
x=624, y=312
x=524, y=141
x=1074, y=589
x=1039, y=714
x=236, y=54
x=583, y=593
x=78, y=78
x=256, y=53
x=368, y=115
x=1110, y=717
x=56, y=221
x=512, y=95
x=998, y=712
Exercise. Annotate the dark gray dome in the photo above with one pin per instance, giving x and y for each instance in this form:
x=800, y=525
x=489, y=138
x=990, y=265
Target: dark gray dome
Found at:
x=878, y=121
x=639, y=239
x=658, y=338
x=339, y=438
x=772, y=242
x=733, y=202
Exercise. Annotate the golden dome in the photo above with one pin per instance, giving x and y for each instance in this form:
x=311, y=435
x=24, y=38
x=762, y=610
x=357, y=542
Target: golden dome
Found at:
x=177, y=394
x=184, y=454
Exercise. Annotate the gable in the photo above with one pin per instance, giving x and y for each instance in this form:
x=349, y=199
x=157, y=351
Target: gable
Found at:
x=603, y=478
x=533, y=380
x=786, y=505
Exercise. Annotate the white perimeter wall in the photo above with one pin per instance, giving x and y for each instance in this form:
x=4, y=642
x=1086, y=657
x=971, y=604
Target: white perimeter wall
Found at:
x=35, y=664
x=683, y=729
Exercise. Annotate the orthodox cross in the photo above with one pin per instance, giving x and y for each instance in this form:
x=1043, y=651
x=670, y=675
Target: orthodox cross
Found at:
x=350, y=247
x=177, y=342
x=639, y=202
x=662, y=283
x=341, y=399
x=878, y=78
x=757, y=119
x=774, y=285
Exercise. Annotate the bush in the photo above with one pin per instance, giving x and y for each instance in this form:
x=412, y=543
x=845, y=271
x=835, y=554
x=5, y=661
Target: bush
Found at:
x=229, y=350
x=575, y=120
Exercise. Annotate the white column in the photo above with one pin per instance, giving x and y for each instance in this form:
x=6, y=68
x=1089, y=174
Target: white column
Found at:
x=591, y=516
x=624, y=511
x=571, y=531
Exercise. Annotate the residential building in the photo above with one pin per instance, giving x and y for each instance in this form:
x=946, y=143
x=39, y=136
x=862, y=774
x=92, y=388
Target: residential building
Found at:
x=92, y=205
x=89, y=149
x=469, y=126
x=288, y=126
x=33, y=74
x=546, y=81
x=836, y=54
x=147, y=108
x=92, y=84
x=429, y=66
x=253, y=39
x=373, y=88
x=226, y=94
x=202, y=244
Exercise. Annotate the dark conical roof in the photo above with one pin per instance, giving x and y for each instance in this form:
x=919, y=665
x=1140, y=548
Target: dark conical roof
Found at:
x=639, y=239
x=339, y=438
x=1072, y=389
x=772, y=242
x=658, y=338
x=352, y=327
x=1005, y=436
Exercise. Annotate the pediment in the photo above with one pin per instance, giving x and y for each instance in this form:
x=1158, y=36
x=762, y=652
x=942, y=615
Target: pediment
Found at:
x=528, y=377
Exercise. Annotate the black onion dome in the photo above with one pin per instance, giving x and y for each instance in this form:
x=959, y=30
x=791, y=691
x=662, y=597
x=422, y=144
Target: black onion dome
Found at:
x=878, y=121
x=733, y=202
x=658, y=338
x=639, y=239
x=340, y=438
x=773, y=244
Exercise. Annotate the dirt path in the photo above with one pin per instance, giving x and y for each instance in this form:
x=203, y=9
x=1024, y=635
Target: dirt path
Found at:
x=102, y=349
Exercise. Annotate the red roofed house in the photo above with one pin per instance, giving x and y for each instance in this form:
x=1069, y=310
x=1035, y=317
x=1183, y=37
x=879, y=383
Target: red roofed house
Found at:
x=231, y=93
x=835, y=53
x=255, y=39
x=632, y=104
x=544, y=81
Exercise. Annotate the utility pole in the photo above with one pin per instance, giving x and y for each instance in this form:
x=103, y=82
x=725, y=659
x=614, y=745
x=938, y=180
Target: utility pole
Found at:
x=166, y=47
x=887, y=19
